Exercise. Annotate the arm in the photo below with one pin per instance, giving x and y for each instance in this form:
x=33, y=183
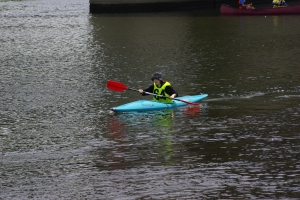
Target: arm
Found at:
x=247, y=6
x=170, y=91
x=149, y=89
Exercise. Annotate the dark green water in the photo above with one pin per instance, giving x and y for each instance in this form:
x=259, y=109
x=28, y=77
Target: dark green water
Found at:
x=59, y=140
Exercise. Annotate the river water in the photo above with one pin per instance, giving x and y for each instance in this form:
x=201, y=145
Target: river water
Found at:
x=59, y=139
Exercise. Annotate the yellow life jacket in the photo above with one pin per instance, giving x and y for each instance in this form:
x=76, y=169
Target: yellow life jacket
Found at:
x=278, y=1
x=161, y=91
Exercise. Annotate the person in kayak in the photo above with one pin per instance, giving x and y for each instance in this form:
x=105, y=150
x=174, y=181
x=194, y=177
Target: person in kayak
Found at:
x=160, y=87
x=242, y=5
x=279, y=3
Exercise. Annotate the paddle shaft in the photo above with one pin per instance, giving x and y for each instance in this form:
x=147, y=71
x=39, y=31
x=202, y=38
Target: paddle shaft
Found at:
x=158, y=95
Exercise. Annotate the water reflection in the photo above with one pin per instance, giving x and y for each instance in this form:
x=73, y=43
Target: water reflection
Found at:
x=143, y=138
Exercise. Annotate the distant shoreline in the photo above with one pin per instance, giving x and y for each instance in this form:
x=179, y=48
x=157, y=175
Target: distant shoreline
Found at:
x=102, y=6
x=127, y=6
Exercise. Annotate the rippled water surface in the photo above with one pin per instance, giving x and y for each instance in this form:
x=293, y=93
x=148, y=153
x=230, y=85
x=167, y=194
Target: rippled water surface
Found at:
x=59, y=139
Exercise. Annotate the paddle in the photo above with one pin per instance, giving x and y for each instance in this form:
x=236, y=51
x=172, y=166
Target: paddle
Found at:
x=284, y=3
x=120, y=87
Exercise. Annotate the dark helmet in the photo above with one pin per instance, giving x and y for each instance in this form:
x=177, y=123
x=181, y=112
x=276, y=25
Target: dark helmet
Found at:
x=158, y=76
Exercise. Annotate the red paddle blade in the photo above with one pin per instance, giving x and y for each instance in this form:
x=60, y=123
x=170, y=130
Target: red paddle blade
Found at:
x=116, y=86
x=192, y=111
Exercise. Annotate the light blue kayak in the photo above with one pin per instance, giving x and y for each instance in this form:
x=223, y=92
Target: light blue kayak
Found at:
x=148, y=105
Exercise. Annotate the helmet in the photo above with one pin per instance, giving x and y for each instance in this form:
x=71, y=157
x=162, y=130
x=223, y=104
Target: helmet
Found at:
x=158, y=76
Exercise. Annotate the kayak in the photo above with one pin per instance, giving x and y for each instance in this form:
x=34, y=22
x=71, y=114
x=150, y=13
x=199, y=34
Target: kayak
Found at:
x=228, y=10
x=148, y=105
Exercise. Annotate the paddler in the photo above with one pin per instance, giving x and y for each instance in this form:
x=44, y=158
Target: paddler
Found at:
x=279, y=3
x=242, y=5
x=160, y=87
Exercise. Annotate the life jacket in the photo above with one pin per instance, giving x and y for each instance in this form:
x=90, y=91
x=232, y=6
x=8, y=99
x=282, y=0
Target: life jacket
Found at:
x=278, y=2
x=161, y=91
